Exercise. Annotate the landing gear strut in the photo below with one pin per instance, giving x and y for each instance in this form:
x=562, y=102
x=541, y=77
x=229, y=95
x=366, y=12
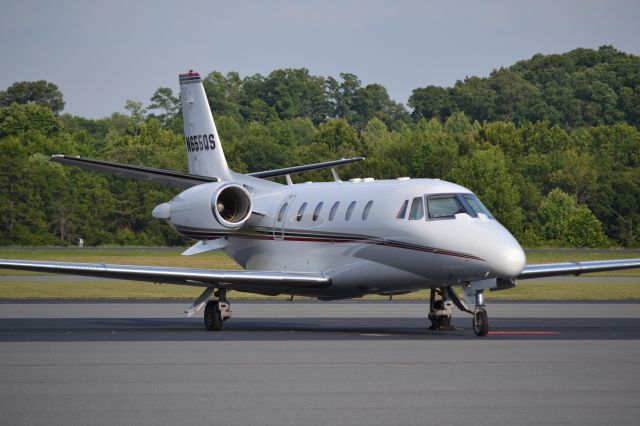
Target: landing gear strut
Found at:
x=216, y=312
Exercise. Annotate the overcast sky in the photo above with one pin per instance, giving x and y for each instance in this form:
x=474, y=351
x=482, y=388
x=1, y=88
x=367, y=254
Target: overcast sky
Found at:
x=102, y=53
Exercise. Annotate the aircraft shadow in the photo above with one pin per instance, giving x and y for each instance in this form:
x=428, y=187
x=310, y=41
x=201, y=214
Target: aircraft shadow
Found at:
x=310, y=329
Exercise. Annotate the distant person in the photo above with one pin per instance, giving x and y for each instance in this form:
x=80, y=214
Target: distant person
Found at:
x=80, y=242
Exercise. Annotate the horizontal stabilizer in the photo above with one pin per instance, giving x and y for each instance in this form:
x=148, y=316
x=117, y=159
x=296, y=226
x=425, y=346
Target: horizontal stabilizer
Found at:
x=181, y=276
x=576, y=268
x=305, y=168
x=165, y=177
x=204, y=246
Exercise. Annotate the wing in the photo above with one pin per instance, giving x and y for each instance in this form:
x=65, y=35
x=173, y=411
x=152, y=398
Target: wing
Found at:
x=182, y=276
x=576, y=268
x=165, y=177
x=305, y=168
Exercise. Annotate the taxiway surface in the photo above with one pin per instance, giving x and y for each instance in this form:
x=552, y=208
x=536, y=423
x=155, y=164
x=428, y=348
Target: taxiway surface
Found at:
x=280, y=363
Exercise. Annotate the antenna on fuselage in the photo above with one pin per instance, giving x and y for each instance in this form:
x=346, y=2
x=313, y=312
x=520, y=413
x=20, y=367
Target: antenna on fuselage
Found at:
x=288, y=179
x=335, y=175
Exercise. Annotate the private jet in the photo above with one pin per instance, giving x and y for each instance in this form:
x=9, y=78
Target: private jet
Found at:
x=326, y=240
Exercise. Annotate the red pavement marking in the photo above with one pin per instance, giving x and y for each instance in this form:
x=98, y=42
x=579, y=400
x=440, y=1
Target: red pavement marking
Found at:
x=525, y=332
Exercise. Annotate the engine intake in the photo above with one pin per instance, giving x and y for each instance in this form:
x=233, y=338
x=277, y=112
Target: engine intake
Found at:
x=231, y=205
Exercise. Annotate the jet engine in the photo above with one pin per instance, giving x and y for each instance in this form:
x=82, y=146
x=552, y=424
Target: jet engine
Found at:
x=231, y=205
x=211, y=207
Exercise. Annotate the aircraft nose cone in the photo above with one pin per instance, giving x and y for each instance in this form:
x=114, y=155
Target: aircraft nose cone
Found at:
x=162, y=211
x=509, y=260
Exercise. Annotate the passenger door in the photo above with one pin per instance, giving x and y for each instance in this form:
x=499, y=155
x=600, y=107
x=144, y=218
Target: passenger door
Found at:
x=280, y=218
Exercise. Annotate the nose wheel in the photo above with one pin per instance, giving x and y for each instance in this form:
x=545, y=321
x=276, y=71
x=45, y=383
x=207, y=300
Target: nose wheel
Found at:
x=480, y=317
x=480, y=322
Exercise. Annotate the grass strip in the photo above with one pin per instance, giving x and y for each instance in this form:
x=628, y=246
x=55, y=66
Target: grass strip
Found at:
x=131, y=290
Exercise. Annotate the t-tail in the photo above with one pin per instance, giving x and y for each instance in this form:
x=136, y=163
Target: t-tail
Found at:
x=204, y=151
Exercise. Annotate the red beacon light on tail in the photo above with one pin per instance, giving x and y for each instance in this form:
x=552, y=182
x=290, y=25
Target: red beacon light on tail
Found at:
x=190, y=74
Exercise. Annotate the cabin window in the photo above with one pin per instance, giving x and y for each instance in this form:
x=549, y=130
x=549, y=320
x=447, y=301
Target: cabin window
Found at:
x=417, y=209
x=444, y=207
x=301, y=211
x=367, y=209
x=352, y=206
x=281, y=212
x=403, y=210
x=334, y=209
x=476, y=205
x=316, y=212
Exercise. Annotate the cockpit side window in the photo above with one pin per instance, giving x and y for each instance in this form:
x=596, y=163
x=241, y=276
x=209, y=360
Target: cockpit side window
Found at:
x=476, y=205
x=403, y=210
x=444, y=206
x=417, y=209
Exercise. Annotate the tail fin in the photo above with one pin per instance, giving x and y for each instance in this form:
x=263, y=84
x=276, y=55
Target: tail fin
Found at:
x=204, y=151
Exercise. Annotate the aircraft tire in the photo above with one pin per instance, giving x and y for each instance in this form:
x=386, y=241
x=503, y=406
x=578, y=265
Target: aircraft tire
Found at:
x=443, y=321
x=212, y=318
x=439, y=322
x=480, y=323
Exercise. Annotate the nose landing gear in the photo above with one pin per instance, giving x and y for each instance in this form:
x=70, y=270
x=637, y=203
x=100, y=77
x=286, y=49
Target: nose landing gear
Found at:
x=480, y=322
x=480, y=317
x=440, y=310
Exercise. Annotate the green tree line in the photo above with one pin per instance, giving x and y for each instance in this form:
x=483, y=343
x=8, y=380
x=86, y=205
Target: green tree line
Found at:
x=583, y=87
x=551, y=179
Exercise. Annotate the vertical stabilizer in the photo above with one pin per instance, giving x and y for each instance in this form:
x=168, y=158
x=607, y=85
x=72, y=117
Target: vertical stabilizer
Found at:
x=204, y=151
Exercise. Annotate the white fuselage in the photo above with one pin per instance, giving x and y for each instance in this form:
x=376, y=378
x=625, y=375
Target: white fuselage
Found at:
x=372, y=249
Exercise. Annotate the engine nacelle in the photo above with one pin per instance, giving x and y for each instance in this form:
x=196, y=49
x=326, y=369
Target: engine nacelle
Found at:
x=201, y=211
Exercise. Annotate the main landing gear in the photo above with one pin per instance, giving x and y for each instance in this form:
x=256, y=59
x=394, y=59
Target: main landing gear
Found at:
x=441, y=308
x=216, y=312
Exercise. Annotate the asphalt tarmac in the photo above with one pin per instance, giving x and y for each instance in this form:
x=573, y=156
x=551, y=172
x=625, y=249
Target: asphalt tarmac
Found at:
x=307, y=363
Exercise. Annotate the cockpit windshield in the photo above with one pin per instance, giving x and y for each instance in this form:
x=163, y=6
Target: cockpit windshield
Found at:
x=476, y=205
x=447, y=206
x=442, y=206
